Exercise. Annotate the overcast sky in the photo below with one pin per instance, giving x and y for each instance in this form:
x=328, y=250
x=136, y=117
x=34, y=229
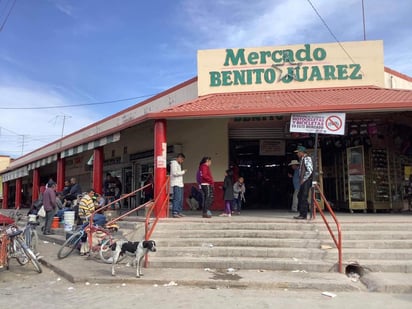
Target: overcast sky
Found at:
x=55, y=53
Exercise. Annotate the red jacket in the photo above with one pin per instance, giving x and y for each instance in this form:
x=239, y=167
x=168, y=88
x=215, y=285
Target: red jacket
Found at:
x=205, y=174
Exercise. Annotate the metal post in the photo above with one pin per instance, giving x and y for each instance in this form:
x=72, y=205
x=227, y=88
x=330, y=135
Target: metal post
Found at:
x=160, y=161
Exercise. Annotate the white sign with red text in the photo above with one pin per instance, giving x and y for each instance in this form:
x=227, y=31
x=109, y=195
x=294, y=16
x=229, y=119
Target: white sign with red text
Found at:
x=324, y=123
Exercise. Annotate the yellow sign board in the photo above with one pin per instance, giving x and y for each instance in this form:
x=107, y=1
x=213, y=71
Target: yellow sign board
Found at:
x=290, y=67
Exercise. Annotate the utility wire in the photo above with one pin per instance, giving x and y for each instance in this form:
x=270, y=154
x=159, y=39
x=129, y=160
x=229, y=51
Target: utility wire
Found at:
x=330, y=31
x=77, y=105
x=7, y=16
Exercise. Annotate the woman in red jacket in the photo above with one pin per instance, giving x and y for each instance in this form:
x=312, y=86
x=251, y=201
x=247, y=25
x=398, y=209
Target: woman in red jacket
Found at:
x=207, y=185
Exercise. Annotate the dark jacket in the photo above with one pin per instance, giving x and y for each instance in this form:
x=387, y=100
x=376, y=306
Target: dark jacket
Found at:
x=49, y=199
x=228, y=187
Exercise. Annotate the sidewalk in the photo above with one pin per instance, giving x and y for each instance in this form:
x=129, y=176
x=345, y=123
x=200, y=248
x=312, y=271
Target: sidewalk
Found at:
x=78, y=269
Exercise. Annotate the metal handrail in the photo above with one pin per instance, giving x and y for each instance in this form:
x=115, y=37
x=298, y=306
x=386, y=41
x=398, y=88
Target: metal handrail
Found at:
x=338, y=242
x=149, y=230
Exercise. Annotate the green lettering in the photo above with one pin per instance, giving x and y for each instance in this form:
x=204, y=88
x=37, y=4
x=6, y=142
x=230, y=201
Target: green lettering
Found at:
x=249, y=79
x=288, y=77
x=303, y=54
x=342, y=71
x=329, y=72
x=251, y=58
x=301, y=77
x=315, y=74
x=263, y=56
x=226, y=78
x=319, y=54
x=258, y=73
x=233, y=59
x=215, y=80
x=275, y=59
x=270, y=76
x=288, y=56
x=239, y=77
x=356, y=70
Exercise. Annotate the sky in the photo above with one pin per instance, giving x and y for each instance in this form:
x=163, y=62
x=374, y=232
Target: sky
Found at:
x=65, y=64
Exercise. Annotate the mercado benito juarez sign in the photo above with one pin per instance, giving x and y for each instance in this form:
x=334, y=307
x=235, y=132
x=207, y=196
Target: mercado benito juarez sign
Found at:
x=290, y=67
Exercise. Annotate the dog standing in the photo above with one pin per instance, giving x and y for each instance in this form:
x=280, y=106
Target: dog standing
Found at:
x=136, y=249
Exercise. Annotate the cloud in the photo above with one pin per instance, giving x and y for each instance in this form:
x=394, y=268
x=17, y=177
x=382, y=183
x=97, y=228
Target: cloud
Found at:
x=24, y=130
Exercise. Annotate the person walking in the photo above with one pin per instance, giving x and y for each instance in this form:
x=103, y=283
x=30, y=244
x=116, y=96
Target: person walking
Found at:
x=228, y=194
x=207, y=185
x=239, y=194
x=294, y=164
x=305, y=180
x=49, y=203
x=176, y=182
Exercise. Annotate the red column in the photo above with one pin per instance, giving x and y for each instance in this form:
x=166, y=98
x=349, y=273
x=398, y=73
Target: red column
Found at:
x=98, y=158
x=17, y=200
x=36, y=185
x=61, y=170
x=160, y=157
x=5, y=194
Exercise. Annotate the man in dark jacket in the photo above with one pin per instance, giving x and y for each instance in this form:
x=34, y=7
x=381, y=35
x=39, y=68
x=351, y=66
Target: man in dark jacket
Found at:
x=49, y=203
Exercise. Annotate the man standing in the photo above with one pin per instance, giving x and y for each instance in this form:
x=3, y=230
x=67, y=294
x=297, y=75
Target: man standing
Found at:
x=294, y=164
x=49, y=203
x=305, y=176
x=176, y=183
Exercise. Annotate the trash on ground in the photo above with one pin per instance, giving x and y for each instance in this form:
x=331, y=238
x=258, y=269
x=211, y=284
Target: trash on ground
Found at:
x=87, y=283
x=299, y=271
x=171, y=283
x=70, y=288
x=45, y=242
x=123, y=284
x=328, y=294
x=326, y=247
x=207, y=269
x=261, y=270
x=295, y=259
x=230, y=270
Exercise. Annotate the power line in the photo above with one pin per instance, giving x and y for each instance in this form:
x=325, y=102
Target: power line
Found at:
x=330, y=31
x=7, y=16
x=76, y=105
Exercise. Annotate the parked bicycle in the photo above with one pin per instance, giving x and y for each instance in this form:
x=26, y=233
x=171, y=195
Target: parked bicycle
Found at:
x=29, y=232
x=12, y=245
x=98, y=240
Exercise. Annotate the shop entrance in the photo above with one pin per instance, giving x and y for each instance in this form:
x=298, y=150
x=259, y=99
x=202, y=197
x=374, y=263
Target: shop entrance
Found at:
x=266, y=176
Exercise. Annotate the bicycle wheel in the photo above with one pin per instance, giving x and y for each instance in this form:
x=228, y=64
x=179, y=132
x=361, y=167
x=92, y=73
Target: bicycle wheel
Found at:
x=106, y=251
x=17, y=251
x=30, y=255
x=31, y=238
x=69, y=245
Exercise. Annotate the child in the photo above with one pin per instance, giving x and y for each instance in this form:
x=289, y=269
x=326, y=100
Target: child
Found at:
x=228, y=193
x=239, y=194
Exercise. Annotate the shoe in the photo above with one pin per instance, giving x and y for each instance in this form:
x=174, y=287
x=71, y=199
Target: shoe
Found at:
x=206, y=216
x=299, y=218
x=223, y=215
x=181, y=215
x=176, y=216
x=229, y=215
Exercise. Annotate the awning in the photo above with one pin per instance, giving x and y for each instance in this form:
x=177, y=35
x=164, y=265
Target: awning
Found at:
x=42, y=162
x=18, y=173
x=91, y=145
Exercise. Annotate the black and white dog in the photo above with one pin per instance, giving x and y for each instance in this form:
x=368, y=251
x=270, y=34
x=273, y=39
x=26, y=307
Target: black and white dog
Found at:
x=137, y=250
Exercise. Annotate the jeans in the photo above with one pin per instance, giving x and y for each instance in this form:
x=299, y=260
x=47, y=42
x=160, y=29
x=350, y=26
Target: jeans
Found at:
x=303, y=204
x=177, y=202
x=208, y=197
x=295, y=200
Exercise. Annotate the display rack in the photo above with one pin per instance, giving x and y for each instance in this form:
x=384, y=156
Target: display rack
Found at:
x=356, y=180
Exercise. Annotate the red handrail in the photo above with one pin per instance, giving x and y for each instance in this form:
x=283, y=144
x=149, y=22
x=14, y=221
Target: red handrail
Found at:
x=165, y=203
x=338, y=242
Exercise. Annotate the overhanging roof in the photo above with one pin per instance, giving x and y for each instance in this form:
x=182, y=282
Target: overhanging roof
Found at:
x=345, y=99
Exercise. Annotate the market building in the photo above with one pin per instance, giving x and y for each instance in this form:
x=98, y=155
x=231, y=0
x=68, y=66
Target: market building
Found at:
x=243, y=109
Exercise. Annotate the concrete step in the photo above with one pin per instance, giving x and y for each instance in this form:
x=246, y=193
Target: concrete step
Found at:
x=372, y=243
x=238, y=242
x=237, y=252
x=217, y=262
x=370, y=254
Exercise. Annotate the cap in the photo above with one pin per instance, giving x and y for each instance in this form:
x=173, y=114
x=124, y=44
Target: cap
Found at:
x=300, y=149
x=293, y=162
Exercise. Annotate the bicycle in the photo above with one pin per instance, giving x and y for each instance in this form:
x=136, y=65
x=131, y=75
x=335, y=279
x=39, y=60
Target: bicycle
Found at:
x=91, y=233
x=29, y=232
x=12, y=245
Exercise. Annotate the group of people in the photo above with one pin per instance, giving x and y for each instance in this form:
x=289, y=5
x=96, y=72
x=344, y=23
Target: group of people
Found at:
x=232, y=191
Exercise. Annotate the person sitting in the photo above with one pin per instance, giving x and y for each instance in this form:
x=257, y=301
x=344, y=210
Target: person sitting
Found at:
x=87, y=206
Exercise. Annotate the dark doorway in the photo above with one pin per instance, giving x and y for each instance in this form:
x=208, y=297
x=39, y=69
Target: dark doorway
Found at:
x=266, y=177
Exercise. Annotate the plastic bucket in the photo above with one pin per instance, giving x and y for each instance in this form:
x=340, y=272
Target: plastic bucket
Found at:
x=68, y=227
x=55, y=223
x=69, y=217
x=32, y=218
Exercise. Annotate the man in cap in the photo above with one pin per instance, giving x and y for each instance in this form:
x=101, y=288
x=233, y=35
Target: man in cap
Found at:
x=294, y=164
x=305, y=180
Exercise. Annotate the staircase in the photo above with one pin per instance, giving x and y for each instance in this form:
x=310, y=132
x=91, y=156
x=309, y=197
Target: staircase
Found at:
x=281, y=244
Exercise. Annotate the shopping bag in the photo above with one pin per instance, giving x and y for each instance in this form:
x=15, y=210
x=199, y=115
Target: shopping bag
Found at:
x=41, y=212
